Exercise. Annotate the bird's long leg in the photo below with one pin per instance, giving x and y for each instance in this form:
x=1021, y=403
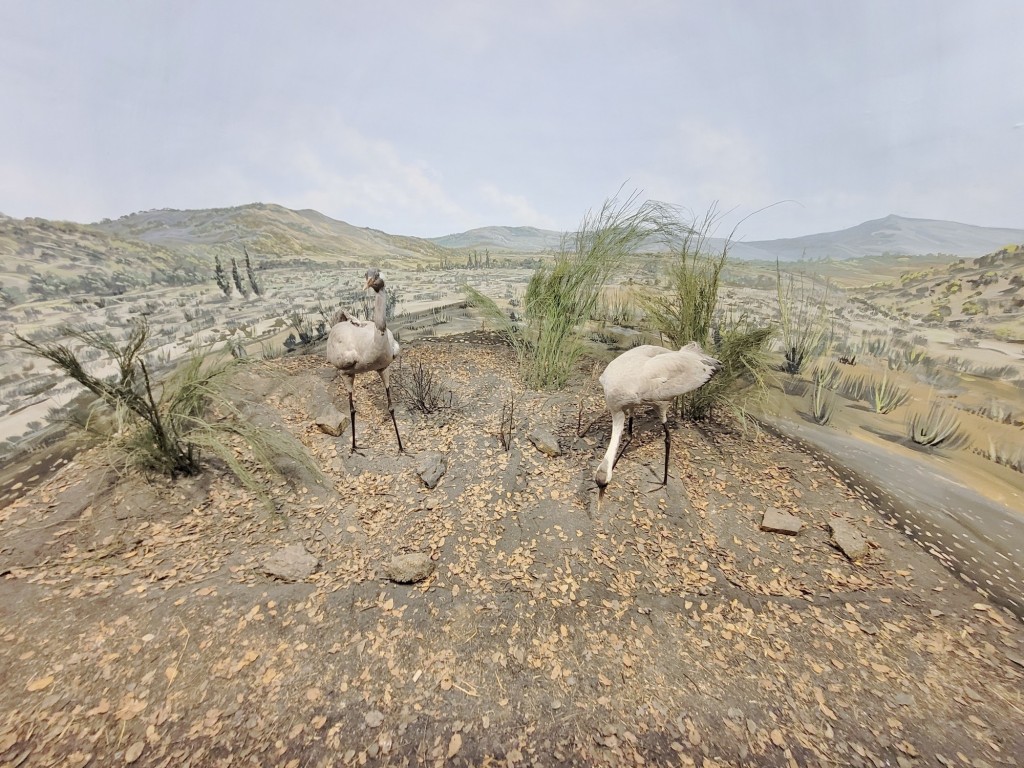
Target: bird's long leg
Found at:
x=352, y=419
x=386, y=378
x=668, y=445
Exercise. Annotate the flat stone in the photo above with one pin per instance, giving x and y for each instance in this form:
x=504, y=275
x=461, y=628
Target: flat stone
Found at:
x=332, y=421
x=545, y=442
x=777, y=521
x=410, y=568
x=848, y=539
x=431, y=468
x=291, y=563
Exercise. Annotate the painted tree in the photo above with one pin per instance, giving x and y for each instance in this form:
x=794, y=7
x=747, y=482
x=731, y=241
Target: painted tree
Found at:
x=222, y=278
x=251, y=273
x=238, y=278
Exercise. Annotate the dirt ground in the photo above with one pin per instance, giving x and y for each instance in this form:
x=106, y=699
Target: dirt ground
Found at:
x=661, y=626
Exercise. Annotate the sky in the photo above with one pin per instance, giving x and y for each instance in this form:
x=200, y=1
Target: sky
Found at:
x=429, y=118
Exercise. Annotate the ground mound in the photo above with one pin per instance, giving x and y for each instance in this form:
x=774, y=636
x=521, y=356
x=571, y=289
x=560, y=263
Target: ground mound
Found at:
x=189, y=624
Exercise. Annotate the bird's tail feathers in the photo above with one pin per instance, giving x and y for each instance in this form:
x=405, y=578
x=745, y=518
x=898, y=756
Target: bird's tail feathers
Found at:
x=695, y=347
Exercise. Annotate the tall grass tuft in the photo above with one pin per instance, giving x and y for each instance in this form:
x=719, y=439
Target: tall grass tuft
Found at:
x=686, y=311
x=167, y=427
x=742, y=348
x=884, y=395
x=562, y=294
x=823, y=402
x=803, y=320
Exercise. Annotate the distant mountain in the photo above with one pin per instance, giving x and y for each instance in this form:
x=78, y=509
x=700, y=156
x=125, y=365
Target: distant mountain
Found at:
x=511, y=239
x=272, y=231
x=43, y=259
x=893, y=234
x=52, y=259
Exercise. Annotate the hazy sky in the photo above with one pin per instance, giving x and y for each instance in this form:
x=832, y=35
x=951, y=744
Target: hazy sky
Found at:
x=431, y=117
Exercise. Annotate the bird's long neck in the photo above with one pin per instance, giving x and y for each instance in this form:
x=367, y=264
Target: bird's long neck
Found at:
x=380, y=311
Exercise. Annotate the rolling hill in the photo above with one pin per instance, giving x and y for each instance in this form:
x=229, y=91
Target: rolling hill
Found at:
x=42, y=259
x=894, y=235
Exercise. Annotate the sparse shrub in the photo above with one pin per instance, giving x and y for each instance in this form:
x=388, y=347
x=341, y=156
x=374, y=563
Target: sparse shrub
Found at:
x=803, y=320
x=256, y=287
x=508, y=409
x=562, y=294
x=884, y=395
x=1007, y=456
x=826, y=374
x=823, y=402
x=166, y=427
x=426, y=392
x=852, y=387
x=939, y=427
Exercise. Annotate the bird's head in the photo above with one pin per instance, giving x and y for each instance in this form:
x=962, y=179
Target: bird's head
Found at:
x=601, y=476
x=374, y=280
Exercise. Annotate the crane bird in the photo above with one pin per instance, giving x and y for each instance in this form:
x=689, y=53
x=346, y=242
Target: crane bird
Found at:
x=356, y=346
x=649, y=375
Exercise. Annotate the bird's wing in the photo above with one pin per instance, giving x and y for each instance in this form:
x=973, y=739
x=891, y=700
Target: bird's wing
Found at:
x=675, y=373
x=341, y=347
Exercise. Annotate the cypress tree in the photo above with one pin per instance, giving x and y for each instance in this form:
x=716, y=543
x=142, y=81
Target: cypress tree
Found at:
x=222, y=279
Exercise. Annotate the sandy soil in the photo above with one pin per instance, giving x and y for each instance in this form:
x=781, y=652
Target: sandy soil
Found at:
x=661, y=626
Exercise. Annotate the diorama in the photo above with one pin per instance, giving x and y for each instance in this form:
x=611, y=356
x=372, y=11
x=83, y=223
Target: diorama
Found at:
x=824, y=568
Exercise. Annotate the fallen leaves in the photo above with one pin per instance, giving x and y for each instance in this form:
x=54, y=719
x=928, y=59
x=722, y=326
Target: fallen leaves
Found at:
x=39, y=683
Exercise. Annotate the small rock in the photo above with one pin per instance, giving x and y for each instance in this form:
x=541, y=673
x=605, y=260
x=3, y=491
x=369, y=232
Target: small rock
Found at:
x=777, y=521
x=848, y=539
x=291, y=563
x=332, y=421
x=905, y=700
x=410, y=568
x=545, y=442
x=431, y=468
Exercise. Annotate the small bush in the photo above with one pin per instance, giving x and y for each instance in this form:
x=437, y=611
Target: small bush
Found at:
x=939, y=427
x=803, y=320
x=425, y=391
x=1007, y=456
x=884, y=395
x=562, y=294
x=826, y=375
x=166, y=427
x=823, y=403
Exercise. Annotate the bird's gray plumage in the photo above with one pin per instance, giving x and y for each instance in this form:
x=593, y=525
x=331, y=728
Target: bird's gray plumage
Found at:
x=357, y=346
x=649, y=375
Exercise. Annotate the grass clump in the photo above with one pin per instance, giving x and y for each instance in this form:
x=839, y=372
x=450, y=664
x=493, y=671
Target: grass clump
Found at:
x=562, y=295
x=686, y=311
x=939, y=427
x=168, y=427
x=884, y=395
x=823, y=402
x=803, y=320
